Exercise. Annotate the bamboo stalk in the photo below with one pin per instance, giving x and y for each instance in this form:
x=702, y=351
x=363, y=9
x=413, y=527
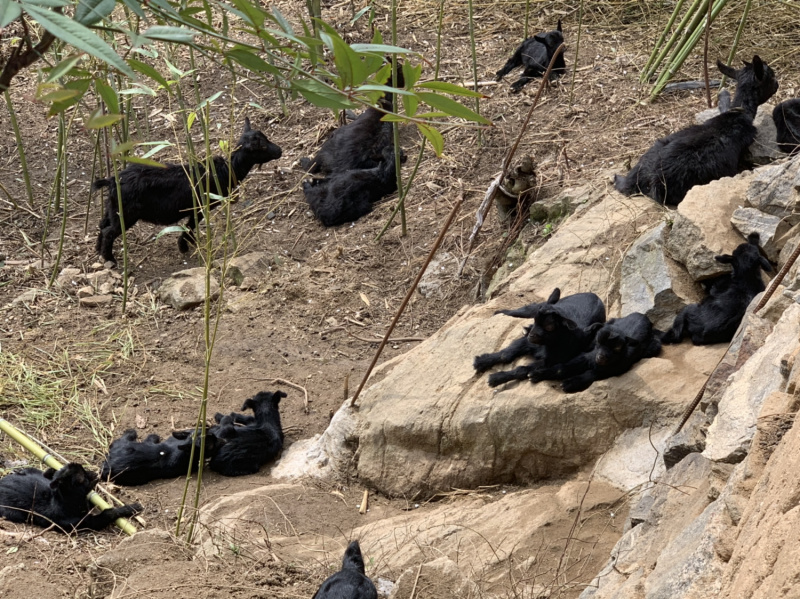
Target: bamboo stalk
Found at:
x=660, y=41
x=735, y=45
x=51, y=462
x=668, y=46
x=23, y=162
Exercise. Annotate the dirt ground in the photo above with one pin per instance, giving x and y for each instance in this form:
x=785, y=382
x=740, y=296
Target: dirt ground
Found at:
x=331, y=292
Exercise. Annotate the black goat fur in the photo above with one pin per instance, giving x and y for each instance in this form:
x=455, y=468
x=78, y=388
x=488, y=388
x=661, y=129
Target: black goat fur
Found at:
x=351, y=582
x=787, y=123
x=560, y=331
x=346, y=196
x=252, y=445
x=131, y=462
x=57, y=498
x=716, y=318
x=535, y=54
x=618, y=345
x=164, y=196
x=703, y=153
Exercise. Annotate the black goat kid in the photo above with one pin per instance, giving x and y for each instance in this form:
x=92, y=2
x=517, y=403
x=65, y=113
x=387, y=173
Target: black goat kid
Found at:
x=716, y=318
x=56, y=498
x=535, y=54
x=703, y=153
x=561, y=330
x=346, y=196
x=351, y=582
x=787, y=123
x=132, y=462
x=618, y=345
x=250, y=446
x=164, y=196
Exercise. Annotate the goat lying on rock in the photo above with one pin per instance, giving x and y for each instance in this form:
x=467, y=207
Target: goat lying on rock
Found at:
x=787, y=122
x=716, y=318
x=164, y=196
x=618, y=345
x=561, y=330
x=132, y=462
x=535, y=54
x=258, y=441
x=351, y=582
x=56, y=498
x=703, y=153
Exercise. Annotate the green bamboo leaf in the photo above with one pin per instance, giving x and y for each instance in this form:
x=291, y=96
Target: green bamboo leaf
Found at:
x=209, y=100
x=171, y=229
x=250, y=61
x=148, y=71
x=433, y=136
x=98, y=120
x=449, y=88
x=63, y=67
x=321, y=95
x=157, y=147
x=452, y=107
x=278, y=17
x=411, y=74
x=349, y=65
x=79, y=37
x=119, y=150
x=145, y=161
x=57, y=95
x=80, y=86
x=251, y=13
x=9, y=11
x=138, y=89
x=361, y=13
x=380, y=48
x=370, y=87
x=410, y=104
x=48, y=3
x=163, y=33
x=90, y=12
x=135, y=7
x=109, y=96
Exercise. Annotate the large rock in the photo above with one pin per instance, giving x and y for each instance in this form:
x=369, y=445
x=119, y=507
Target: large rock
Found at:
x=187, y=288
x=732, y=430
x=752, y=220
x=776, y=190
x=702, y=228
x=652, y=283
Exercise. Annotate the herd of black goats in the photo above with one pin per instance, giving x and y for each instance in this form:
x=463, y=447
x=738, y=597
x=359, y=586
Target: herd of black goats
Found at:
x=570, y=339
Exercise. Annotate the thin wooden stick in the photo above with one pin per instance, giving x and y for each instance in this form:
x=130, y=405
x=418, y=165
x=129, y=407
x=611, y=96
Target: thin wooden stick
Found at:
x=492, y=191
x=416, y=580
x=411, y=290
x=290, y=384
x=53, y=463
x=364, y=503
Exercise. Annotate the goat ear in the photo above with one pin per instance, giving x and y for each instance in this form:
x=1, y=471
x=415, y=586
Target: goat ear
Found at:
x=541, y=39
x=246, y=124
x=570, y=324
x=555, y=296
x=726, y=70
x=765, y=265
x=758, y=67
x=592, y=329
x=558, y=27
x=724, y=259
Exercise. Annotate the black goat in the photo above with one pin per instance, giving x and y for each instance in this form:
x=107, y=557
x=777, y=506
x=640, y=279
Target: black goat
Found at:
x=787, y=122
x=716, y=318
x=535, y=54
x=164, y=196
x=248, y=447
x=346, y=196
x=561, y=330
x=56, y=497
x=351, y=582
x=703, y=153
x=618, y=345
x=131, y=462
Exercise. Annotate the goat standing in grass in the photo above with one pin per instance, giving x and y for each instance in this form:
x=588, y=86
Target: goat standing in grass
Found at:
x=703, y=153
x=164, y=196
x=716, y=318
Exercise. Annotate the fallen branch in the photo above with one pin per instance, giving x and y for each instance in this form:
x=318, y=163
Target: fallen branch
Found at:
x=290, y=384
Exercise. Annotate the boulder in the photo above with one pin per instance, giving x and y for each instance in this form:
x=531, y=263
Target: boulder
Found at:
x=255, y=265
x=702, y=228
x=731, y=432
x=652, y=283
x=776, y=190
x=187, y=288
x=752, y=220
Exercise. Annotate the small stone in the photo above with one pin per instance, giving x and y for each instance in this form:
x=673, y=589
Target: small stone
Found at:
x=106, y=288
x=96, y=266
x=25, y=298
x=248, y=284
x=109, y=265
x=271, y=216
x=95, y=301
x=67, y=276
x=85, y=291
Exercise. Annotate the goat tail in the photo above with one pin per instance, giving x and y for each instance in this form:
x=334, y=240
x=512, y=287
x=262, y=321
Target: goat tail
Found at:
x=100, y=183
